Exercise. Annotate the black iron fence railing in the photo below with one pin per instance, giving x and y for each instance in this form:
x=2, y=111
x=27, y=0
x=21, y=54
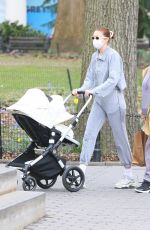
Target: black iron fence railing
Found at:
x=14, y=140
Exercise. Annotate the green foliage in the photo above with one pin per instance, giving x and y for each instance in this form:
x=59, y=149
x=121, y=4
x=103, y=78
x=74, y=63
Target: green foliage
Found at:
x=8, y=29
x=143, y=18
x=143, y=57
x=53, y=8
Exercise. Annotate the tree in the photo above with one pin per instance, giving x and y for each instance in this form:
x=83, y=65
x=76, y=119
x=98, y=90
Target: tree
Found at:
x=121, y=17
x=143, y=19
x=68, y=31
x=70, y=22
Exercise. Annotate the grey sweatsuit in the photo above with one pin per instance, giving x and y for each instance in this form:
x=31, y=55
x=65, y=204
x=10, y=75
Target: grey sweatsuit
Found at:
x=145, y=106
x=105, y=78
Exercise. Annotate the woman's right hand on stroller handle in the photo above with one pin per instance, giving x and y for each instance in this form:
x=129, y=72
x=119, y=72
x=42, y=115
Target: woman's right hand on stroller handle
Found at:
x=81, y=92
x=76, y=92
x=86, y=93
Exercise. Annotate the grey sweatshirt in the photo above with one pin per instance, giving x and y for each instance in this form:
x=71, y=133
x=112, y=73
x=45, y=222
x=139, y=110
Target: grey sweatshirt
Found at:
x=105, y=73
x=105, y=78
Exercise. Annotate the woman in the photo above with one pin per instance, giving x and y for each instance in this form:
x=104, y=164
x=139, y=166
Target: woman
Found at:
x=145, y=186
x=105, y=80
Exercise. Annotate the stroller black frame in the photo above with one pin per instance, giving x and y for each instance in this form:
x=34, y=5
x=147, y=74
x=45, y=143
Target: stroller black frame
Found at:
x=44, y=169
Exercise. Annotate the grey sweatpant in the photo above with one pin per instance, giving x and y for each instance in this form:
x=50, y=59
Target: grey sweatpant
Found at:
x=95, y=122
x=147, y=160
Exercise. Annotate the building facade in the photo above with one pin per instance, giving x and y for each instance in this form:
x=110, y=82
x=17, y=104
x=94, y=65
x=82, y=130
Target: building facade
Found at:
x=16, y=11
x=2, y=10
x=41, y=16
x=13, y=11
x=37, y=14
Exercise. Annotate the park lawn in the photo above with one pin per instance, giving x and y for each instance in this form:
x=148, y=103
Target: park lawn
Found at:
x=24, y=72
x=19, y=73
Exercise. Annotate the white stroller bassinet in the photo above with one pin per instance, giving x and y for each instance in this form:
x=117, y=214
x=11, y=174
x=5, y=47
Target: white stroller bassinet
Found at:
x=48, y=111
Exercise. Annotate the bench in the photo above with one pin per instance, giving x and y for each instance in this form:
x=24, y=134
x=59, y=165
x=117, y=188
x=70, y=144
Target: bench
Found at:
x=1, y=43
x=29, y=43
x=142, y=43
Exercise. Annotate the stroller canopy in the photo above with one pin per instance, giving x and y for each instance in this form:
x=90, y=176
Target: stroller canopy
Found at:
x=48, y=111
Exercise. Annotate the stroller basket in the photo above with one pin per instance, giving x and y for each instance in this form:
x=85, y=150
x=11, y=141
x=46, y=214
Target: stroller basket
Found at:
x=47, y=167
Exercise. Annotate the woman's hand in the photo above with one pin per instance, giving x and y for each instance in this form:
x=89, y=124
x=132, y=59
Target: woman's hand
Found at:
x=75, y=92
x=143, y=117
x=87, y=93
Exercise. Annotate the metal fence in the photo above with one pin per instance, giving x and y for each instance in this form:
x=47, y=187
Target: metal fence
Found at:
x=14, y=140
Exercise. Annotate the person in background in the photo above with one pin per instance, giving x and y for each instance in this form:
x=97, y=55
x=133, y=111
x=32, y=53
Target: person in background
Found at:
x=106, y=82
x=145, y=186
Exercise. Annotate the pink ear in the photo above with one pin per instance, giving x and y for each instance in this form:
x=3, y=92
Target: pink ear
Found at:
x=111, y=34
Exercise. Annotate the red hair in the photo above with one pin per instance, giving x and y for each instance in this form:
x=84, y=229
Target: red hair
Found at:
x=106, y=32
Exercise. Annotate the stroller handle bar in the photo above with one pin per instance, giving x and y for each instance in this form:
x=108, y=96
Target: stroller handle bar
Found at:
x=76, y=117
x=83, y=92
x=85, y=105
x=79, y=92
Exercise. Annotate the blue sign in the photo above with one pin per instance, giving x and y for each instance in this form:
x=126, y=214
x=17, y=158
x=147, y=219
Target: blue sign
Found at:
x=40, y=16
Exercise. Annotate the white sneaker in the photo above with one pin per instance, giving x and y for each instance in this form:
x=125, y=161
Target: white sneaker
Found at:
x=83, y=168
x=84, y=186
x=126, y=183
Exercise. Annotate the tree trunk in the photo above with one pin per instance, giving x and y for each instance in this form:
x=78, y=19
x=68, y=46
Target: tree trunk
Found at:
x=68, y=34
x=120, y=16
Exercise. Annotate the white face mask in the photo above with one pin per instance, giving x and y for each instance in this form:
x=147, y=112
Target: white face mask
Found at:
x=97, y=43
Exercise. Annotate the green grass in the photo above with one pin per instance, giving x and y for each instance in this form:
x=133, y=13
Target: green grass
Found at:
x=19, y=74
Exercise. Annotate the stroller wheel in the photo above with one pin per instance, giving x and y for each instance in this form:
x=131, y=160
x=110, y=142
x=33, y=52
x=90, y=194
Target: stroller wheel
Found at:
x=46, y=183
x=73, y=178
x=29, y=183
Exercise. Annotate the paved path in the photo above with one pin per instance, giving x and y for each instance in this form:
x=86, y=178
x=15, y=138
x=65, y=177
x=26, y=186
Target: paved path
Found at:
x=98, y=207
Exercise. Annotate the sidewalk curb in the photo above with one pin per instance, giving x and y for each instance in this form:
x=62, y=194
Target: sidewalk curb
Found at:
x=104, y=163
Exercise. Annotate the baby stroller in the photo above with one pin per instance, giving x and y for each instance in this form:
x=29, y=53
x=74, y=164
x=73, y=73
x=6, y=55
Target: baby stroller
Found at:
x=41, y=117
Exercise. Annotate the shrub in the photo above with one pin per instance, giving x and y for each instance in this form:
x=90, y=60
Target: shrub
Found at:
x=8, y=29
